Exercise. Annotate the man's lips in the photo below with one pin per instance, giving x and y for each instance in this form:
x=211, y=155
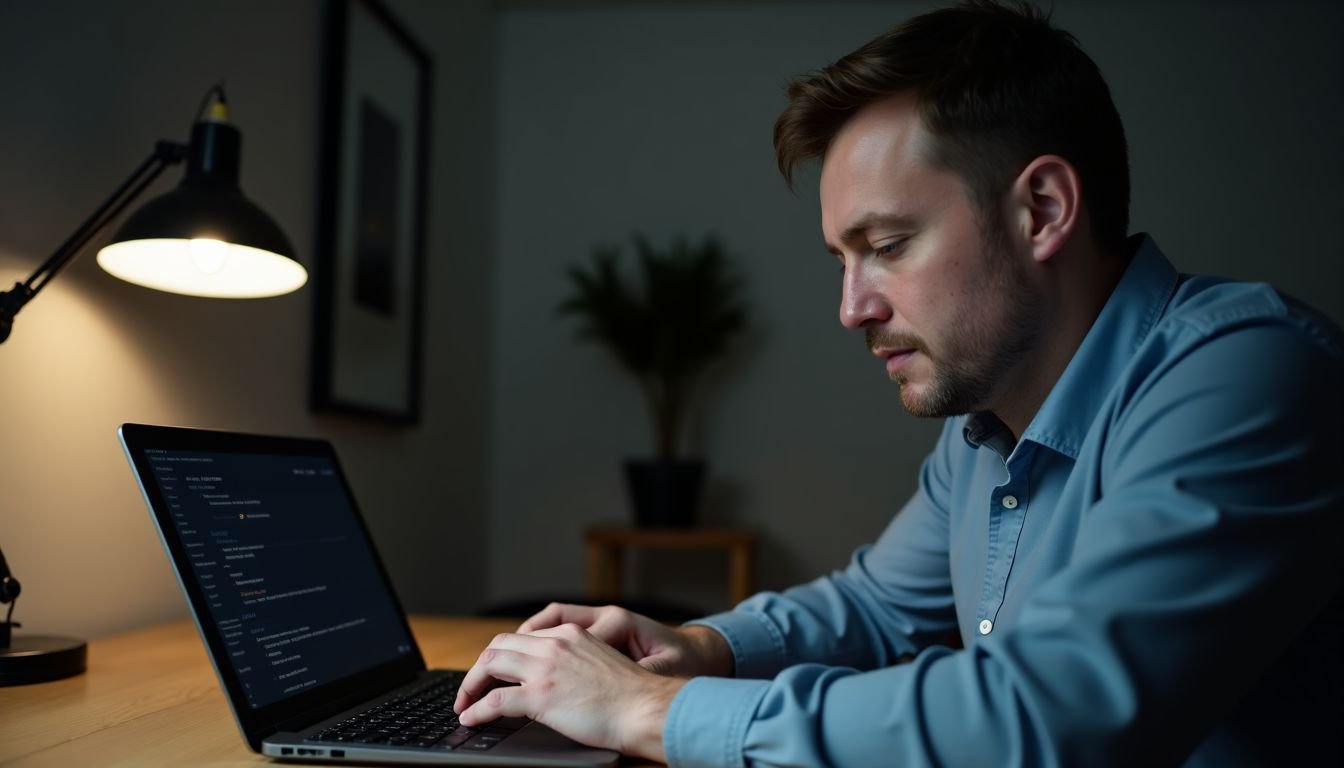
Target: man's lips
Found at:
x=895, y=357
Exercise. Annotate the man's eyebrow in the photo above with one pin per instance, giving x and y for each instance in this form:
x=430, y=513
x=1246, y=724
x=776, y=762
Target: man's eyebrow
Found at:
x=859, y=229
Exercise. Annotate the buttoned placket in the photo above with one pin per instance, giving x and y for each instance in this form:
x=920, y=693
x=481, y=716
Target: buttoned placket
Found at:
x=1007, y=513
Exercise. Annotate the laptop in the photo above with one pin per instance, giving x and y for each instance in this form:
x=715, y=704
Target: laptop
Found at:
x=299, y=619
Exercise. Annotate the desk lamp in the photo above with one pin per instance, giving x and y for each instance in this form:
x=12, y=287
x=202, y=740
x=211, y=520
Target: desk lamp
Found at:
x=201, y=239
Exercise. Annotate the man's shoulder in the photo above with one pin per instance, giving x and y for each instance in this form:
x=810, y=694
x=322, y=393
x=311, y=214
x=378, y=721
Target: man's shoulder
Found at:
x=1205, y=308
x=1224, y=352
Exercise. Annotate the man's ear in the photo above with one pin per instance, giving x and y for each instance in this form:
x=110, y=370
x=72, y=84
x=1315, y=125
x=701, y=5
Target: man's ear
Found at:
x=1046, y=201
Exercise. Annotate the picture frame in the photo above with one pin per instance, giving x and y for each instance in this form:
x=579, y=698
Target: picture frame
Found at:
x=374, y=145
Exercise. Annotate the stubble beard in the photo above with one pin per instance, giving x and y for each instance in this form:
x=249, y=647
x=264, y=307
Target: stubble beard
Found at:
x=968, y=372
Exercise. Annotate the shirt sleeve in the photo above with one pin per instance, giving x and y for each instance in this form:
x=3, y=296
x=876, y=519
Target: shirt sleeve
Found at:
x=1208, y=551
x=893, y=600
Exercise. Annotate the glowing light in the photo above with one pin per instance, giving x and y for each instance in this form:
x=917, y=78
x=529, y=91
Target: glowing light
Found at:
x=203, y=267
x=208, y=255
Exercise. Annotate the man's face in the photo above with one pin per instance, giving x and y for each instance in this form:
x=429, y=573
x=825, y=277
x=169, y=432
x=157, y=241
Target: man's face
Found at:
x=946, y=304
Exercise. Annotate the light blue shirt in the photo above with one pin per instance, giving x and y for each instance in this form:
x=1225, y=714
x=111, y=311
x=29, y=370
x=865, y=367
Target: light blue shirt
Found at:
x=1150, y=576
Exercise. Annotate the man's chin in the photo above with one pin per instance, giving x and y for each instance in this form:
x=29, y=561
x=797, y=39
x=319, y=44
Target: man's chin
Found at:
x=925, y=402
x=919, y=408
x=913, y=396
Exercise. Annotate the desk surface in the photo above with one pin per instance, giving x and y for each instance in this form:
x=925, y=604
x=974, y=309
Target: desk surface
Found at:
x=151, y=698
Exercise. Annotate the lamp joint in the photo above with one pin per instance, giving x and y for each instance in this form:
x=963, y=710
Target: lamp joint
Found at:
x=11, y=302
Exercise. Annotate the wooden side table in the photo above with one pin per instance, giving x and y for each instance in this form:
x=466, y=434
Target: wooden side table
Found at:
x=606, y=547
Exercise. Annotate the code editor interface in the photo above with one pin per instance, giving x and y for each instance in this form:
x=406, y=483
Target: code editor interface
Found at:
x=290, y=581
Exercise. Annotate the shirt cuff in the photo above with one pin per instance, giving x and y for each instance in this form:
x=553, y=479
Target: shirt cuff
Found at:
x=707, y=722
x=757, y=645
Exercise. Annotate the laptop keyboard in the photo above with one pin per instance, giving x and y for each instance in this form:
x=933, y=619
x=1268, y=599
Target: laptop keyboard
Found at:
x=422, y=718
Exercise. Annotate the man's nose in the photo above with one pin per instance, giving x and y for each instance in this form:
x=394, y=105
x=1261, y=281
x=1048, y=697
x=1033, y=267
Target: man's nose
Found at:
x=861, y=300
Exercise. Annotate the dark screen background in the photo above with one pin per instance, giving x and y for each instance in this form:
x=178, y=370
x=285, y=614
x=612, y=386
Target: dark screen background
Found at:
x=288, y=576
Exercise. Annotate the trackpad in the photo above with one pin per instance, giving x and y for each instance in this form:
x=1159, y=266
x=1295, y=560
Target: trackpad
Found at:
x=538, y=740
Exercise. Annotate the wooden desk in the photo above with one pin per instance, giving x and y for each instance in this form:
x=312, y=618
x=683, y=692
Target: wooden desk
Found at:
x=606, y=546
x=151, y=698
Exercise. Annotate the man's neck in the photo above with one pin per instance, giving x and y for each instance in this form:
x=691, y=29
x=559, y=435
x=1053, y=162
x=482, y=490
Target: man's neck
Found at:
x=1077, y=301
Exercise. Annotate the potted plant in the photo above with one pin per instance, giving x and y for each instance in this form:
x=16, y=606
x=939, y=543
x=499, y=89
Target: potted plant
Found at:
x=665, y=331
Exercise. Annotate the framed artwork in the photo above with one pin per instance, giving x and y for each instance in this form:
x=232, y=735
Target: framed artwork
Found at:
x=372, y=187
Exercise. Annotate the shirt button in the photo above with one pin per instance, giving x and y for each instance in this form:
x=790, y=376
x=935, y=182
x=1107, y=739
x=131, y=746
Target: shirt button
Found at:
x=1009, y=502
x=986, y=626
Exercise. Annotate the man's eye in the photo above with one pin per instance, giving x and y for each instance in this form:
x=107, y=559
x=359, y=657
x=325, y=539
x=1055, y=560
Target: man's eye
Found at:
x=886, y=249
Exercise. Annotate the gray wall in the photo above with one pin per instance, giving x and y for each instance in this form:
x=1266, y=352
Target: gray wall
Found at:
x=88, y=87
x=656, y=118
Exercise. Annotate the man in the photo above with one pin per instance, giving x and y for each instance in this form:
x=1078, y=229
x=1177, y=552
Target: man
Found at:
x=1132, y=513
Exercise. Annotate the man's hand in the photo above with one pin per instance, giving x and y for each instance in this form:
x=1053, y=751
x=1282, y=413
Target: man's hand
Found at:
x=573, y=682
x=684, y=652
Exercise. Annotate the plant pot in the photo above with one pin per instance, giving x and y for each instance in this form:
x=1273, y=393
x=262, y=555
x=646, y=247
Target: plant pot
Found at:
x=665, y=493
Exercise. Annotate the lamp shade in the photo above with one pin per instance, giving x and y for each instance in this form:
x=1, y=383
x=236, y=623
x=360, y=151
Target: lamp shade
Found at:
x=204, y=238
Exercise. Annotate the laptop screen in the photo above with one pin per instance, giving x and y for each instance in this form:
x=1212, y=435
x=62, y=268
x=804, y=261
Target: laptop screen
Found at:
x=287, y=573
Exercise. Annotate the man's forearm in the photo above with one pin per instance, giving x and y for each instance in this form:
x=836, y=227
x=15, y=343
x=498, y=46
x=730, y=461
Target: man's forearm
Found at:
x=703, y=652
x=642, y=735
x=713, y=654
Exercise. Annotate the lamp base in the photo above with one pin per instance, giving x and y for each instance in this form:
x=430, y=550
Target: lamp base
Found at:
x=39, y=658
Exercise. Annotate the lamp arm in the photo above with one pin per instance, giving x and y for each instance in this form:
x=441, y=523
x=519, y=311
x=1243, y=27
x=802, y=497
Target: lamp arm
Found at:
x=165, y=153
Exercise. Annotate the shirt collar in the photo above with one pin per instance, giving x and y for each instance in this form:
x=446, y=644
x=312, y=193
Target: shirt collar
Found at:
x=1134, y=307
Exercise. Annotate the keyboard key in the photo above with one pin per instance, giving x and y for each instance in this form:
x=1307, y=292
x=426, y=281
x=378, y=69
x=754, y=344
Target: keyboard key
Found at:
x=371, y=738
x=459, y=736
x=509, y=723
x=419, y=717
x=484, y=741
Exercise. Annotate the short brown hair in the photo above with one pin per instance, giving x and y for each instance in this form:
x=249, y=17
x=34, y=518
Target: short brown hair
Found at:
x=997, y=86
